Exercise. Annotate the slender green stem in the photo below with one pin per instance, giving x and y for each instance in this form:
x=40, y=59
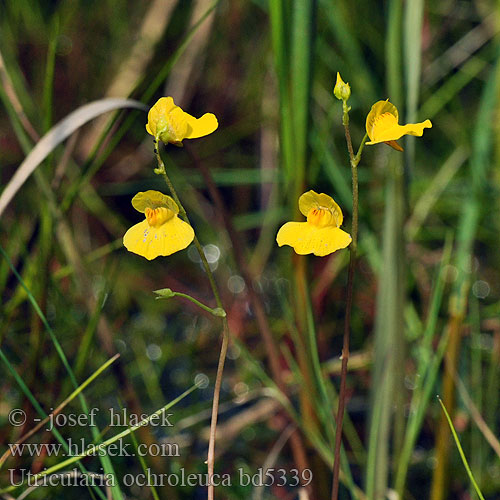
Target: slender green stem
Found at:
x=161, y=170
x=166, y=293
x=354, y=160
x=357, y=158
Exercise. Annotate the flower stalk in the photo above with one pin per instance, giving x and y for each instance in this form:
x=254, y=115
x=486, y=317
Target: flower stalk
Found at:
x=354, y=161
x=167, y=293
x=161, y=170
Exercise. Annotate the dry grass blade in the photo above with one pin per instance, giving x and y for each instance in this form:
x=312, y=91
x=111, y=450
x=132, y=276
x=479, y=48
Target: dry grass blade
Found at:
x=431, y=195
x=461, y=51
x=272, y=458
x=185, y=74
x=55, y=136
x=152, y=28
x=476, y=416
x=10, y=91
x=133, y=68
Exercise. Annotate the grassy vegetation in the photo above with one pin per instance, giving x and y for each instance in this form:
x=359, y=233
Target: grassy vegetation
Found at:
x=427, y=285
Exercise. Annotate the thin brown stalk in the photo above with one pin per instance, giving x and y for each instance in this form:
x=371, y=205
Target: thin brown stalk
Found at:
x=297, y=446
x=354, y=160
x=343, y=377
x=225, y=328
x=215, y=408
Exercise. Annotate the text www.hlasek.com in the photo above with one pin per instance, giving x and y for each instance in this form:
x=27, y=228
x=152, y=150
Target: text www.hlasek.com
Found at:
x=78, y=448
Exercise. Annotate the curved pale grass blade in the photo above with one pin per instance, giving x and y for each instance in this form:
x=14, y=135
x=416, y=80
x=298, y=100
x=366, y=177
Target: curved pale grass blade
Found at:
x=57, y=134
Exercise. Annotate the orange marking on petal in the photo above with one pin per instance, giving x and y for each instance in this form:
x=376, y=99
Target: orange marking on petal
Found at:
x=158, y=216
x=321, y=217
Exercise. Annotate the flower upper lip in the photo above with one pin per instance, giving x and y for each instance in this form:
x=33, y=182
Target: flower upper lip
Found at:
x=382, y=125
x=320, y=234
x=170, y=124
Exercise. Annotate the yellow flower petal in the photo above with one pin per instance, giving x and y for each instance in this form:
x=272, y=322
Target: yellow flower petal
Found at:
x=312, y=200
x=382, y=125
x=306, y=238
x=162, y=233
x=161, y=109
x=393, y=132
x=153, y=241
x=153, y=199
x=170, y=124
x=379, y=108
x=321, y=233
x=175, y=126
x=199, y=127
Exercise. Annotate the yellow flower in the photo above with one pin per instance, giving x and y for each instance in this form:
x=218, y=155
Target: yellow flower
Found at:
x=321, y=233
x=162, y=233
x=382, y=125
x=168, y=123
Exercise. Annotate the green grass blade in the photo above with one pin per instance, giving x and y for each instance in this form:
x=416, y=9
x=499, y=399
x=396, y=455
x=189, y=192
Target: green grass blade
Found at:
x=387, y=383
x=461, y=451
x=95, y=449
x=70, y=398
x=144, y=465
x=339, y=19
x=303, y=30
x=279, y=36
x=413, y=20
x=427, y=370
x=42, y=413
x=434, y=190
x=453, y=85
x=106, y=462
x=48, y=86
x=470, y=217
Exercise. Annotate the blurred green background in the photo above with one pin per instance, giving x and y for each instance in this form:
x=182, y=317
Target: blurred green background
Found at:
x=427, y=290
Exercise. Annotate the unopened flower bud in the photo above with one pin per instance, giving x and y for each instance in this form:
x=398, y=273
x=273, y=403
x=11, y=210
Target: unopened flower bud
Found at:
x=342, y=90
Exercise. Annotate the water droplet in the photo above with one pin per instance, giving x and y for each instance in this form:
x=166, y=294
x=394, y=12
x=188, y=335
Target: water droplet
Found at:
x=153, y=352
x=481, y=289
x=212, y=253
x=236, y=284
x=201, y=380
